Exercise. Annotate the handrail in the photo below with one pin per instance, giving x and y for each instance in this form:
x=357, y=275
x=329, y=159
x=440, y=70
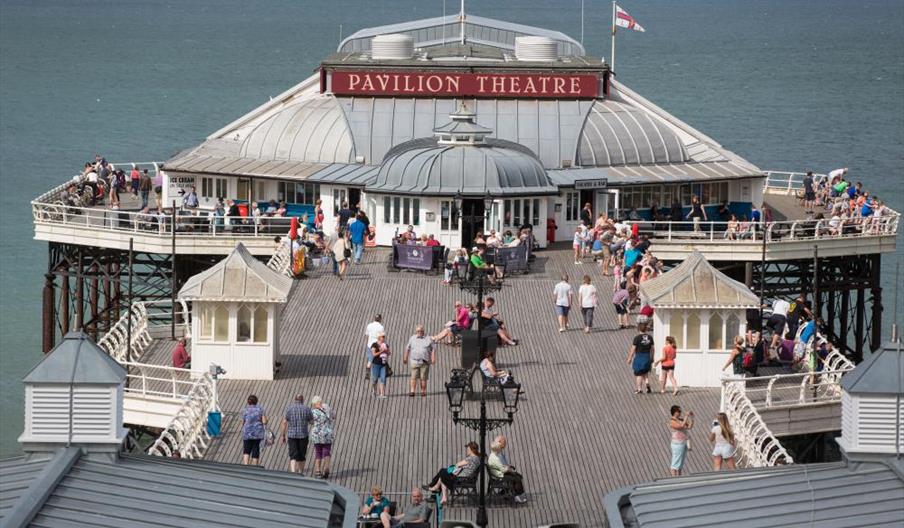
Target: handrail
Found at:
x=148, y=380
x=151, y=224
x=804, y=388
x=756, y=445
x=187, y=431
x=114, y=342
x=281, y=260
x=775, y=232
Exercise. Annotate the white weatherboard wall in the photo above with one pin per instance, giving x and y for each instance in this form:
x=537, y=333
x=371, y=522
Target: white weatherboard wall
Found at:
x=704, y=340
x=96, y=414
x=868, y=423
x=215, y=331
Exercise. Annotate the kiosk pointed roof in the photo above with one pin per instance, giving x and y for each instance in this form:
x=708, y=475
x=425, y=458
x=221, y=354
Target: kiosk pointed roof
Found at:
x=695, y=283
x=77, y=360
x=238, y=277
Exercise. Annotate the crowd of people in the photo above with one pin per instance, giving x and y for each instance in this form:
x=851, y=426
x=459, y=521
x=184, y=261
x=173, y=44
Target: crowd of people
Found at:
x=841, y=207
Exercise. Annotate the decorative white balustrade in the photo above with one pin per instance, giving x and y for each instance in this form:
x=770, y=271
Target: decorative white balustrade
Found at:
x=281, y=260
x=187, y=431
x=144, y=316
x=756, y=445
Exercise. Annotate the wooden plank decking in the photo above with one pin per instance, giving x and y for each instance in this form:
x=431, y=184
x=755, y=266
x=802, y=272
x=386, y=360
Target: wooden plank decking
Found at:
x=579, y=432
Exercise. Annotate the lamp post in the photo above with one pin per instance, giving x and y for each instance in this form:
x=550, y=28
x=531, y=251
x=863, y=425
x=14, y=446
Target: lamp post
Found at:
x=455, y=390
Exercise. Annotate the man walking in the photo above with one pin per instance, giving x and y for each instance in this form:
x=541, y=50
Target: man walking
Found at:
x=294, y=431
x=144, y=187
x=421, y=355
x=372, y=331
x=357, y=230
x=563, y=294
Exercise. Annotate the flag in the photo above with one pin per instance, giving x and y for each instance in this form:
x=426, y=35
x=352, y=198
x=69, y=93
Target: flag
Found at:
x=623, y=19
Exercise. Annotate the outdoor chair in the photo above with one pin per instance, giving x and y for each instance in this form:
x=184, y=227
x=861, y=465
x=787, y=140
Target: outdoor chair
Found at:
x=502, y=488
x=464, y=488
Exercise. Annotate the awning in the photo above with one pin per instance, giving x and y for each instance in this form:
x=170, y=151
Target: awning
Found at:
x=656, y=173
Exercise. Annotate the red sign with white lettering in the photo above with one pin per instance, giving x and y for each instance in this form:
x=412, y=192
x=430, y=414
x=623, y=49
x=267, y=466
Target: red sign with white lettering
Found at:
x=528, y=85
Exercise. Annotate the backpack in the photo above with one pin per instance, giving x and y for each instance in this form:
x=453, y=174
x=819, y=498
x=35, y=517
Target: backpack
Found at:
x=748, y=361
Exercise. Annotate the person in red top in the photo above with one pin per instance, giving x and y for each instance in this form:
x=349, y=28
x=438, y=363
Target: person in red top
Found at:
x=135, y=178
x=181, y=359
x=667, y=362
x=432, y=242
x=453, y=328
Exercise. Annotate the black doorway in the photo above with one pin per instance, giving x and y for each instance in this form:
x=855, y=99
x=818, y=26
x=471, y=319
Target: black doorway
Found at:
x=354, y=197
x=472, y=217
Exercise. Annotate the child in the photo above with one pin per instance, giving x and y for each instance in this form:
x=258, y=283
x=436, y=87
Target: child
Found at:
x=669, y=351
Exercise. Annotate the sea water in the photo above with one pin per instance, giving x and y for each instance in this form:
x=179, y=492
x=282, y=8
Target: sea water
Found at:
x=787, y=84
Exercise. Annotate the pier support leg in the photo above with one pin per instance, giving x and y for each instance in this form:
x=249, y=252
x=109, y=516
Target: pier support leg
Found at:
x=859, y=323
x=876, y=291
x=748, y=274
x=48, y=330
x=64, y=304
x=93, y=299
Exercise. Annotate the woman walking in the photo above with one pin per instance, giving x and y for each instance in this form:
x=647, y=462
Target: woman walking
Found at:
x=254, y=430
x=577, y=244
x=667, y=365
x=341, y=253
x=322, y=436
x=697, y=212
x=724, y=442
x=588, y=300
x=641, y=359
x=679, y=426
x=379, y=361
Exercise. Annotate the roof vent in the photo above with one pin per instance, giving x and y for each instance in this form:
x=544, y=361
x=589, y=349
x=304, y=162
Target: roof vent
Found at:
x=395, y=46
x=538, y=49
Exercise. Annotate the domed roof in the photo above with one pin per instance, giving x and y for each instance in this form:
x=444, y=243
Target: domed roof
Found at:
x=616, y=133
x=497, y=167
x=313, y=130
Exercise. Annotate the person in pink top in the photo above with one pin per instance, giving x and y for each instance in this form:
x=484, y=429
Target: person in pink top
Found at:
x=181, y=359
x=453, y=328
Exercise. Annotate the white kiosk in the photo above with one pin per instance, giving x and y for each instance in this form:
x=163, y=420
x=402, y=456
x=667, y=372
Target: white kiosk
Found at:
x=235, y=314
x=703, y=309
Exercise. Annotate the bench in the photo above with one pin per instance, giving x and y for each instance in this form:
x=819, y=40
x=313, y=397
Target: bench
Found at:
x=501, y=487
x=464, y=488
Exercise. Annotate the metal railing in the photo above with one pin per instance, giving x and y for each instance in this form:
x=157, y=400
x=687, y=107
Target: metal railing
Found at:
x=187, y=431
x=146, y=380
x=756, y=445
x=145, y=316
x=775, y=232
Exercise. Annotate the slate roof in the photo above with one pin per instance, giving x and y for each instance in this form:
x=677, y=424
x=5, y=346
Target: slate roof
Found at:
x=833, y=495
x=144, y=491
x=16, y=475
x=493, y=166
x=696, y=284
x=238, y=277
x=881, y=373
x=77, y=359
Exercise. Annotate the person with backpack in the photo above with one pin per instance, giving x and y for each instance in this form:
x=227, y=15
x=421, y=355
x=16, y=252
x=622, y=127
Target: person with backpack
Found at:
x=736, y=359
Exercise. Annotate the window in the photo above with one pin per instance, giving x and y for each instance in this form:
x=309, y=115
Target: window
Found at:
x=668, y=194
x=213, y=188
x=516, y=218
x=535, y=219
x=387, y=209
x=448, y=216
x=685, y=195
x=296, y=192
x=221, y=324
x=207, y=323
x=338, y=199
x=676, y=329
x=220, y=184
x=396, y=209
x=715, y=333
x=244, y=325
x=507, y=212
x=572, y=206
x=206, y=187
x=416, y=211
x=260, y=324
x=693, y=331
x=406, y=215
x=714, y=193
x=732, y=327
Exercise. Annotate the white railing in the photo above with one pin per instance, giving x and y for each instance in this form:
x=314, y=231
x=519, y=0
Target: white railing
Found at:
x=795, y=390
x=188, y=224
x=281, y=260
x=187, y=431
x=160, y=381
x=756, y=445
x=145, y=316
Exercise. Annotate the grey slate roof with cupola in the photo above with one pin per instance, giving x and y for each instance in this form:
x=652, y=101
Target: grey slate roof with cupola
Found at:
x=238, y=277
x=77, y=359
x=881, y=373
x=695, y=283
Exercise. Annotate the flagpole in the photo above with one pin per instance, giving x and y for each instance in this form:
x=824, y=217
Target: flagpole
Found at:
x=612, y=53
x=582, y=22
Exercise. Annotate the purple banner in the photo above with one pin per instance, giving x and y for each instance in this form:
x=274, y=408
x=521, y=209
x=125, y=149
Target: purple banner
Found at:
x=414, y=257
x=513, y=258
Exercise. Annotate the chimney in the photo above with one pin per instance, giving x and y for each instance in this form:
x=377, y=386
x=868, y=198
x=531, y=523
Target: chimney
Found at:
x=872, y=406
x=74, y=397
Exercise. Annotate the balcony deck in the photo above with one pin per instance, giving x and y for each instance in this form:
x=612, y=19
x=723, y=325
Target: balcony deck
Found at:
x=579, y=431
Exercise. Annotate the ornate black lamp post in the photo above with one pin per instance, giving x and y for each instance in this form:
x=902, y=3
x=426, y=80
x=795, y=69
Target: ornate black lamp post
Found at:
x=455, y=390
x=477, y=284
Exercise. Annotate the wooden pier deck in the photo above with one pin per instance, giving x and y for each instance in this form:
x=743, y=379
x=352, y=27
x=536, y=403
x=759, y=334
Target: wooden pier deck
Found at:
x=579, y=431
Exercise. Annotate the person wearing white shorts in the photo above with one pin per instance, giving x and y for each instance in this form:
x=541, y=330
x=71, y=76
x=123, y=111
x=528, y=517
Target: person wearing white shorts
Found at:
x=724, y=443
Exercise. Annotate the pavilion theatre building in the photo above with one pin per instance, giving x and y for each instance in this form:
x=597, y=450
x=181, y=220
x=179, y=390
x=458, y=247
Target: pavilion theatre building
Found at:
x=456, y=127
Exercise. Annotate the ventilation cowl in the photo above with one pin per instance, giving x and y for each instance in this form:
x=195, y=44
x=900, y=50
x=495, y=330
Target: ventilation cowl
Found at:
x=536, y=49
x=394, y=46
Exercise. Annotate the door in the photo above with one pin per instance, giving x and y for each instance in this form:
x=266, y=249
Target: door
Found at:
x=606, y=203
x=354, y=199
x=244, y=190
x=472, y=218
x=339, y=197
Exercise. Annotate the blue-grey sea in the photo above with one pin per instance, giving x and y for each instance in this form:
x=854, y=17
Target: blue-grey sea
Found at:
x=788, y=84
